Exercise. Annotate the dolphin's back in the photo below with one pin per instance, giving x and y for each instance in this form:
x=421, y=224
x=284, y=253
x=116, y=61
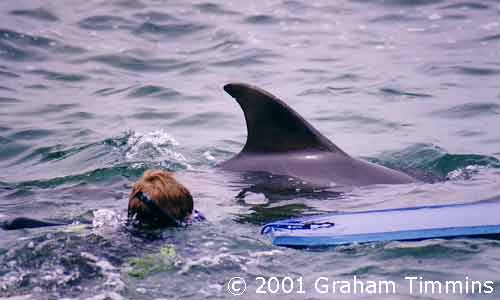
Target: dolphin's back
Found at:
x=281, y=142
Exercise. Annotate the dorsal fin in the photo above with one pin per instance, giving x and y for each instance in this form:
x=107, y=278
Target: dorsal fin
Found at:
x=273, y=126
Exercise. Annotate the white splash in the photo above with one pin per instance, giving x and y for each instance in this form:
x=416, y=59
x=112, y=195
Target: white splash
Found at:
x=208, y=155
x=255, y=198
x=105, y=218
x=266, y=253
x=464, y=173
x=223, y=259
x=107, y=296
x=112, y=276
x=153, y=146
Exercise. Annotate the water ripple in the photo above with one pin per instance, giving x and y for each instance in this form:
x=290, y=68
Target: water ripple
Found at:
x=31, y=134
x=261, y=19
x=11, y=52
x=4, y=88
x=133, y=63
x=21, y=46
x=154, y=91
x=476, y=71
x=395, y=18
x=490, y=38
x=108, y=91
x=222, y=41
x=51, y=153
x=155, y=16
x=57, y=76
x=390, y=3
x=56, y=108
x=127, y=170
x=433, y=159
x=467, y=5
x=201, y=119
x=213, y=8
x=37, y=87
x=105, y=23
x=81, y=115
x=470, y=110
x=132, y=4
x=329, y=90
x=465, y=70
x=296, y=6
x=8, y=74
x=153, y=115
x=255, y=57
x=37, y=13
x=357, y=119
x=398, y=93
x=150, y=29
x=10, y=149
x=9, y=100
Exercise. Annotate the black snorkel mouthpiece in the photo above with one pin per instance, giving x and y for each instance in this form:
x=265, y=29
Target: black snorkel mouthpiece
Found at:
x=23, y=222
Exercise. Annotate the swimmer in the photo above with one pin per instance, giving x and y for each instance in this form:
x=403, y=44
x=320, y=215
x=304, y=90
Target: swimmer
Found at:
x=157, y=200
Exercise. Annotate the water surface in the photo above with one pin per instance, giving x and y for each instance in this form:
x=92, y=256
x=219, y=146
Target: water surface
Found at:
x=92, y=93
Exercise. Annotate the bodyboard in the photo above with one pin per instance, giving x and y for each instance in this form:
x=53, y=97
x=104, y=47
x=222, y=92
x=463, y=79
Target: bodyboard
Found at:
x=480, y=219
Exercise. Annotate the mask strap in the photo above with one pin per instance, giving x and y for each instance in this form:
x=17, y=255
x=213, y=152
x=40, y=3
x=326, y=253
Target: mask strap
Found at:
x=155, y=209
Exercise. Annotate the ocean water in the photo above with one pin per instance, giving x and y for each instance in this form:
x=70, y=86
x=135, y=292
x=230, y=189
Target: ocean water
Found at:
x=92, y=93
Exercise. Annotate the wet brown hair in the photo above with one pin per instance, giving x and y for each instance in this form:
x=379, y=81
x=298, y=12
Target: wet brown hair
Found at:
x=166, y=192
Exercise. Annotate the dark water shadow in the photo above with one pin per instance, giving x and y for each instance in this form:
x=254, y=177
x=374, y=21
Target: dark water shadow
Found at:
x=275, y=194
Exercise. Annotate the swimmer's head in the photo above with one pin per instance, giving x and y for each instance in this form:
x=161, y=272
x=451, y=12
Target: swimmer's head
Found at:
x=172, y=204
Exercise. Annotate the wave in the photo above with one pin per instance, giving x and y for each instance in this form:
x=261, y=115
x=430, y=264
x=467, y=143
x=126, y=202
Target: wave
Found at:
x=434, y=161
x=126, y=156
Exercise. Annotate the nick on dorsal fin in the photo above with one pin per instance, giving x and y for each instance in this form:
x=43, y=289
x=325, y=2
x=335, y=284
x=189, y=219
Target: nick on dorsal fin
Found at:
x=274, y=127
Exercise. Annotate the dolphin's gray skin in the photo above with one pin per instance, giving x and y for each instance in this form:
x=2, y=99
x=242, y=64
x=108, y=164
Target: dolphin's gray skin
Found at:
x=281, y=142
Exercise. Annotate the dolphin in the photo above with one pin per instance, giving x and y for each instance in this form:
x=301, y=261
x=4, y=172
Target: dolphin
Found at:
x=281, y=142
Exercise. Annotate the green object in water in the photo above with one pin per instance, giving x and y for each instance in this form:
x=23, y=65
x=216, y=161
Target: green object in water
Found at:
x=75, y=228
x=141, y=267
x=168, y=251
